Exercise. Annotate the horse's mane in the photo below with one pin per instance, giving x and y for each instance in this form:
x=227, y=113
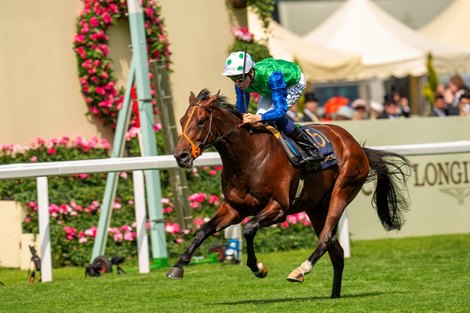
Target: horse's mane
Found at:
x=221, y=102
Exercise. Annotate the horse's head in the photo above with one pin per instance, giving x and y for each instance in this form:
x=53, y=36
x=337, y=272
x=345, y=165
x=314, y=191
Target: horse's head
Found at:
x=202, y=125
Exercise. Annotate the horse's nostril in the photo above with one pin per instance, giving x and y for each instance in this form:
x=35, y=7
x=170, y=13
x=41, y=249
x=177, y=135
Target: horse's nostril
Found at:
x=181, y=157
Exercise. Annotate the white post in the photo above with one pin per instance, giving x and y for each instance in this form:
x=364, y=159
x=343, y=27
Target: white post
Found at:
x=141, y=219
x=343, y=234
x=44, y=229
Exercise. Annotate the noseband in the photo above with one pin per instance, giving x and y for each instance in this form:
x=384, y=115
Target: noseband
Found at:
x=196, y=150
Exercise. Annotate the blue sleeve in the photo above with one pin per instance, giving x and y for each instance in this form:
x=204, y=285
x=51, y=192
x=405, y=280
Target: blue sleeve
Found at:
x=279, y=94
x=240, y=104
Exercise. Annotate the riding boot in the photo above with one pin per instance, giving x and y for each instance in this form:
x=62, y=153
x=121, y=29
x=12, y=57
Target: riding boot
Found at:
x=311, y=151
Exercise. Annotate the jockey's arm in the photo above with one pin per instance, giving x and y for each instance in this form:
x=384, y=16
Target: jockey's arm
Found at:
x=242, y=106
x=279, y=94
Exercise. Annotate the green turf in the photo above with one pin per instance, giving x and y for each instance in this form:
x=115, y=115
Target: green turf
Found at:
x=430, y=274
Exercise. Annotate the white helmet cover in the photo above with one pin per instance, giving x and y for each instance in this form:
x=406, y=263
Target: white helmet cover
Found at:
x=234, y=64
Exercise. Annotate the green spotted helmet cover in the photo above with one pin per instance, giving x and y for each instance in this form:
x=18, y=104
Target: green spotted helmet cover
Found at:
x=234, y=64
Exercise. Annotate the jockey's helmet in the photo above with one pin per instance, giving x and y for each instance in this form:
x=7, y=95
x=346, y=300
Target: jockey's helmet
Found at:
x=234, y=64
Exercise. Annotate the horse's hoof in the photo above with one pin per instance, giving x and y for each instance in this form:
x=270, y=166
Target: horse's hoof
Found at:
x=262, y=270
x=175, y=272
x=296, y=277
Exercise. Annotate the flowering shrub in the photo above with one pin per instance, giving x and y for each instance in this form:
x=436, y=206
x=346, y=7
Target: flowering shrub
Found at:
x=74, y=204
x=91, y=44
x=243, y=38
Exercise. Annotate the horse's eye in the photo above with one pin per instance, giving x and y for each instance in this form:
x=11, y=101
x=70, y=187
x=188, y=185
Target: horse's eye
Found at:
x=201, y=123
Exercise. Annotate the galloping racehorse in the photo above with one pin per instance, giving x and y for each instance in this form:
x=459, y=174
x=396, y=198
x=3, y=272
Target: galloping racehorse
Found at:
x=259, y=180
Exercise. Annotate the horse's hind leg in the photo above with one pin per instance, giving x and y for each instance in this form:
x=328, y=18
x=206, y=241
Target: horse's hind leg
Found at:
x=224, y=217
x=340, y=198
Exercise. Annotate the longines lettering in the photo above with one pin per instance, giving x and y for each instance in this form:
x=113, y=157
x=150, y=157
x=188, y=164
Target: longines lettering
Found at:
x=446, y=173
x=450, y=178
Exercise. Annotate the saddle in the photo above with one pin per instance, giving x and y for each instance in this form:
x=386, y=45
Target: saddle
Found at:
x=295, y=153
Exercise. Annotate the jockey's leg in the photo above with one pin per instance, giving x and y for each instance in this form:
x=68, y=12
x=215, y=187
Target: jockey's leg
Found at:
x=299, y=136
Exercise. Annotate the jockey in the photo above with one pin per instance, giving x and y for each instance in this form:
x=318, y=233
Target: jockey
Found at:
x=280, y=84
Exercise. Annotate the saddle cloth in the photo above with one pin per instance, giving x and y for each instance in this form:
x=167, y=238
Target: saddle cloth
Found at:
x=294, y=152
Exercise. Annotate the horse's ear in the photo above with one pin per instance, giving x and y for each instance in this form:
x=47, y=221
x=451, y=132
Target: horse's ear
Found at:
x=213, y=98
x=192, y=97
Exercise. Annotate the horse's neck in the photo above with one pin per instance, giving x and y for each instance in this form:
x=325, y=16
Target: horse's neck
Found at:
x=240, y=149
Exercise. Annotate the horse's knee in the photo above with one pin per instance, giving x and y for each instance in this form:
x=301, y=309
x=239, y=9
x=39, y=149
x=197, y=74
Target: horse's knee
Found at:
x=250, y=229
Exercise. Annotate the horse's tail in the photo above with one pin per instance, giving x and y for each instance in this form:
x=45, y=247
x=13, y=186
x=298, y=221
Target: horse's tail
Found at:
x=391, y=171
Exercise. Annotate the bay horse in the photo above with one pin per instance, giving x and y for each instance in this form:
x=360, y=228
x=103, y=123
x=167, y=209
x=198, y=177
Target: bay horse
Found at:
x=259, y=180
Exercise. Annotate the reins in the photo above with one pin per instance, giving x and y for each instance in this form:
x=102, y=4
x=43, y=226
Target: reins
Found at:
x=196, y=150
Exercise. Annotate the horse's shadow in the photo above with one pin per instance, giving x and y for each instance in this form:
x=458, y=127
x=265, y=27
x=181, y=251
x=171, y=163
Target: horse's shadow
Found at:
x=286, y=300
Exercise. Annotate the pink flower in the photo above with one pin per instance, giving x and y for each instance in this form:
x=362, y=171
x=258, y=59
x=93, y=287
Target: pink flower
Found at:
x=94, y=21
x=292, y=219
x=172, y=228
x=91, y=231
x=106, y=18
x=82, y=240
x=243, y=34
x=284, y=224
x=117, y=237
x=105, y=143
x=128, y=236
x=125, y=228
x=40, y=141
x=70, y=230
x=64, y=140
x=27, y=220
x=212, y=172
x=83, y=176
x=79, y=38
x=51, y=151
x=213, y=199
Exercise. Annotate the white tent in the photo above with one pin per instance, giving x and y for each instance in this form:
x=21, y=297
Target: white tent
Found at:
x=318, y=64
x=387, y=47
x=451, y=26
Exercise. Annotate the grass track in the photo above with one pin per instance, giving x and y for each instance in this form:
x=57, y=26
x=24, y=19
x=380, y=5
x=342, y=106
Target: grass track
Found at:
x=430, y=274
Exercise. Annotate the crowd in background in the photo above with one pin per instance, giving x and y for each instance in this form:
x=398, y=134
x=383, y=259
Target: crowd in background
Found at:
x=453, y=99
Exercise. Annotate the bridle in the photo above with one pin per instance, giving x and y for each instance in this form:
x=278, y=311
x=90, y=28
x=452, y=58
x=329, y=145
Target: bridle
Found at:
x=196, y=150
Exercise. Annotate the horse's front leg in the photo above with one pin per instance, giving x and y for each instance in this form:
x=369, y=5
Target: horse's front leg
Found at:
x=270, y=215
x=224, y=217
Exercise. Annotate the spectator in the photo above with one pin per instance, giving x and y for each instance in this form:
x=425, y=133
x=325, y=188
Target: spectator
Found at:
x=401, y=102
x=404, y=107
x=332, y=106
x=391, y=109
x=464, y=103
x=457, y=88
x=344, y=113
x=310, y=108
x=440, y=106
x=376, y=109
x=361, y=109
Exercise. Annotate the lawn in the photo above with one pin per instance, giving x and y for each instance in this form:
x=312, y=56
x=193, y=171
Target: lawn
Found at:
x=428, y=274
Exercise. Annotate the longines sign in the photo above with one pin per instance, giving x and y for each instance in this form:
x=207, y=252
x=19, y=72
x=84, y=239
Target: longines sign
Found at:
x=449, y=177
